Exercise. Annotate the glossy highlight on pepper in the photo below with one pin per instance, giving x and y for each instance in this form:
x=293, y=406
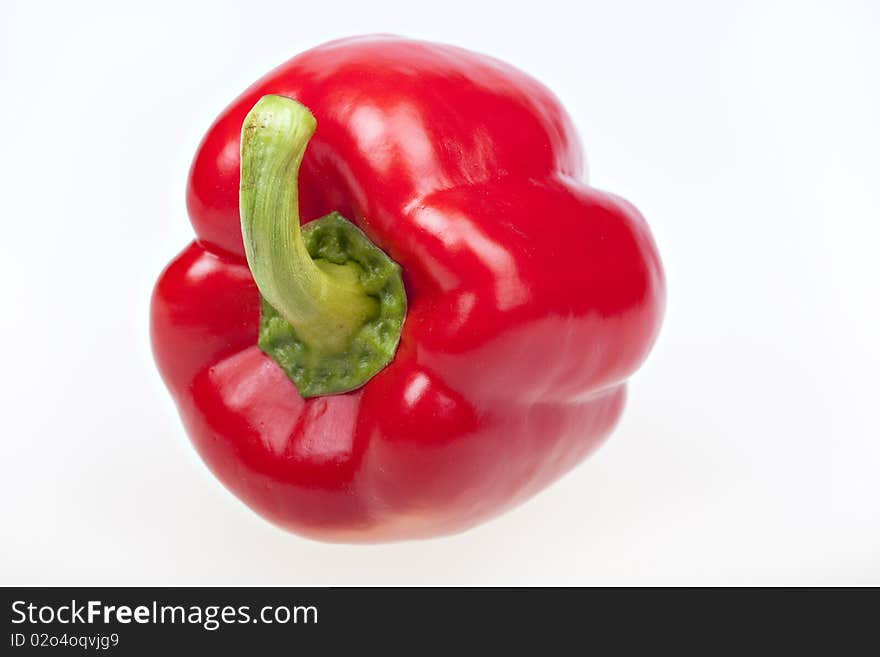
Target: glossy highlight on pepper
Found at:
x=531, y=297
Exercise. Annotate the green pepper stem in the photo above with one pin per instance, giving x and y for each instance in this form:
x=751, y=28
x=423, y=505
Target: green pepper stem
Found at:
x=324, y=302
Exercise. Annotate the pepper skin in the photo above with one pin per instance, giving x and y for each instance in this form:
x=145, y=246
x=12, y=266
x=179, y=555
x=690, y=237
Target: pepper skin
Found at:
x=531, y=298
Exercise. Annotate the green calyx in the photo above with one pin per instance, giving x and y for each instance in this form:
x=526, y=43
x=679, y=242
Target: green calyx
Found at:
x=333, y=303
x=333, y=241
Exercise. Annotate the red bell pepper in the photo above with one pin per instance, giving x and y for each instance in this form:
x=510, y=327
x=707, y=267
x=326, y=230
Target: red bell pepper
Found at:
x=463, y=351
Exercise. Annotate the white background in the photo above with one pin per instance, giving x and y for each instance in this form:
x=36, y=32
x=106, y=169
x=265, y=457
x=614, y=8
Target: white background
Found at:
x=747, y=134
